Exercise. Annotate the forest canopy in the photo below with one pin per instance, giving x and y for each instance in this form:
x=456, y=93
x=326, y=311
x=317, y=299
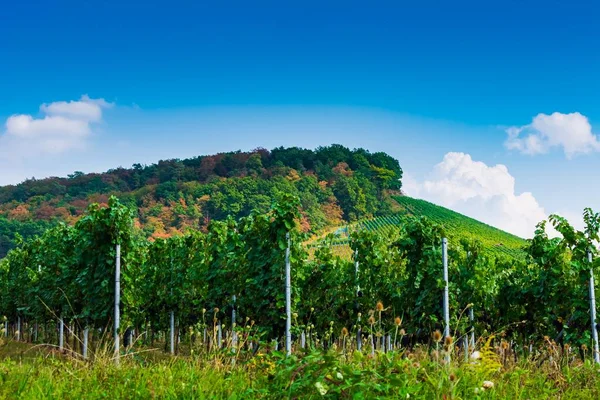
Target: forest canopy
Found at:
x=334, y=183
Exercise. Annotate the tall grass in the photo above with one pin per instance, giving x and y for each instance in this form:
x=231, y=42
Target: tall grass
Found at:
x=494, y=371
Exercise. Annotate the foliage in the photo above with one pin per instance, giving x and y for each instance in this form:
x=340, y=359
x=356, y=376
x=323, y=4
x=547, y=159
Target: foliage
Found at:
x=173, y=196
x=494, y=242
x=69, y=272
x=10, y=229
x=313, y=374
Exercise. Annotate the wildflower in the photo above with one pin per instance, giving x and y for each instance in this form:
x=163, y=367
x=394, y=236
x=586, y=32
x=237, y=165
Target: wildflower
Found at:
x=504, y=345
x=295, y=315
x=344, y=332
x=452, y=377
x=359, y=315
x=216, y=310
x=371, y=320
x=437, y=336
x=203, y=310
x=312, y=309
x=322, y=389
x=476, y=355
x=331, y=323
x=379, y=306
x=398, y=321
x=402, y=332
x=487, y=384
x=448, y=341
x=339, y=376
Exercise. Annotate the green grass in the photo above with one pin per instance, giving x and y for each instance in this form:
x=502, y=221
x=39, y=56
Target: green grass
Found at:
x=418, y=374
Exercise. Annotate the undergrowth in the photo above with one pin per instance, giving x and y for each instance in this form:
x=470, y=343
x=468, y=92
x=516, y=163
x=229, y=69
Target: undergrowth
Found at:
x=36, y=372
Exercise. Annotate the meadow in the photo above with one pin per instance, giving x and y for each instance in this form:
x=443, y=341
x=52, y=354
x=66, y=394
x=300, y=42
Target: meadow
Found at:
x=39, y=372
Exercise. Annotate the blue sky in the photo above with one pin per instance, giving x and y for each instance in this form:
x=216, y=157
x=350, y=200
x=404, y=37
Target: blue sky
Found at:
x=426, y=81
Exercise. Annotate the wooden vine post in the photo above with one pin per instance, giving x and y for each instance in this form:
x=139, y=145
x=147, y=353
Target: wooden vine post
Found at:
x=172, y=314
x=593, y=309
x=358, y=295
x=117, y=302
x=233, y=333
x=61, y=334
x=86, y=333
x=172, y=331
x=288, y=298
x=446, y=299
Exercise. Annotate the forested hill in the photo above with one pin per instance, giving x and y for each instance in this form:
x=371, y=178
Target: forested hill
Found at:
x=335, y=184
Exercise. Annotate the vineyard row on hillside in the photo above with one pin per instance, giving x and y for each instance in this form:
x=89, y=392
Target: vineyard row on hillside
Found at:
x=197, y=281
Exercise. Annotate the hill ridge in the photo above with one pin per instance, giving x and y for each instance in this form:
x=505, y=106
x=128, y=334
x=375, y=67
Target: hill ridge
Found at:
x=334, y=184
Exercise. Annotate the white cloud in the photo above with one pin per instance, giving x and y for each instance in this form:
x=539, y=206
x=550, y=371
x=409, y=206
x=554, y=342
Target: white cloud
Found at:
x=25, y=126
x=64, y=126
x=483, y=192
x=571, y=132
x=84, y=109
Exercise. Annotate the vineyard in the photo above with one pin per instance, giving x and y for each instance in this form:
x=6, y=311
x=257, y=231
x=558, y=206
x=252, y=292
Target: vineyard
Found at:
x=496, y=243
x=223, y=293
x=458, y=226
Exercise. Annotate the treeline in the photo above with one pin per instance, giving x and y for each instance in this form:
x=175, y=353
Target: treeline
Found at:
x=334, y=183
x=11, y=231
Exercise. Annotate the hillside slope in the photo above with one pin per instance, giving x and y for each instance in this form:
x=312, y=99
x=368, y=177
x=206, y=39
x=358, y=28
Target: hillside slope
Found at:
x=496, y=242
x=460, y=226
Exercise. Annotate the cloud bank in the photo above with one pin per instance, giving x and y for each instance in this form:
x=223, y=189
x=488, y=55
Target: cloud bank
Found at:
x=483, y=192
x=63, y=126
x=570, y=132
